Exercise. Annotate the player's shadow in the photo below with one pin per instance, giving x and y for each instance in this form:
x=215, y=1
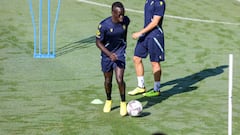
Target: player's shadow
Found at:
x=182, y=85
x=83, y=43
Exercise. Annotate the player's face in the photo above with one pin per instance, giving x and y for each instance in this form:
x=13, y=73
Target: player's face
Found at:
x=118, y=14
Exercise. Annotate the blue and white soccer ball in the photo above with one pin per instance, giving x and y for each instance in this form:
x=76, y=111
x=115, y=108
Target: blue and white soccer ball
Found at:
x=134, y=108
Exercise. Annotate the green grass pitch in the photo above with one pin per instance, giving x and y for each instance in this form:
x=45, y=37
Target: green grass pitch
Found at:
x=53, y=96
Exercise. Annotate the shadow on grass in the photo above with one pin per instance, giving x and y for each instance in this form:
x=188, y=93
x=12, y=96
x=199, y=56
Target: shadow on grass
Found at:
x=84, y=43
x=182, y=85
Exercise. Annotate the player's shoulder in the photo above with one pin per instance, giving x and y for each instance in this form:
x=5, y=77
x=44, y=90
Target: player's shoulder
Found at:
x=105, y=21
x=160, y=3
x=157, y=1
x=126, y=20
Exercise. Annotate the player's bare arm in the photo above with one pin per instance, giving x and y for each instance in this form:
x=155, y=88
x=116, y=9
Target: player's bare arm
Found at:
x=148, y=28
x=111, y=55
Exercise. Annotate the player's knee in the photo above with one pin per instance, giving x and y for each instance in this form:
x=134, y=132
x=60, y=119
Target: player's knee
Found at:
x=137, y=59
x=108, y=81
x=120, y=81
x=156, y=66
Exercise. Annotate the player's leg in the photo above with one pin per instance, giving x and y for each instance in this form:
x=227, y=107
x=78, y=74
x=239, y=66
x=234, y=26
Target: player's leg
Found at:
x=108, y=84
x=108, y=74
x=157, y=72
x=156, y=52
x=139, y=68
x=108, y=90
x=121, y=84
x=119, y=72
x=156, y=68
x=139, y=53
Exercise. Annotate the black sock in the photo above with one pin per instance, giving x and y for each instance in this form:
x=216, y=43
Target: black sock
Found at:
x=109, y=96
x=123, y=98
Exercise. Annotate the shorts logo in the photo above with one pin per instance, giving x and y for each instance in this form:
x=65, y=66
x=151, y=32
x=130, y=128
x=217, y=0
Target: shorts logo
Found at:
x=111, y=30
x=161, y=3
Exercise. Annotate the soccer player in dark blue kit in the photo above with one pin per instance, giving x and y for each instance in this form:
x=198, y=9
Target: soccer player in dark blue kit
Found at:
x=111, y=39
x=150, y=41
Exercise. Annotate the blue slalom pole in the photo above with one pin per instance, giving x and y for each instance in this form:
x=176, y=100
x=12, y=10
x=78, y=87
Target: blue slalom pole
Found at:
x=40, y=27
x=49, y=25
x=55, y=25
x=34, y=28
x=38, y=52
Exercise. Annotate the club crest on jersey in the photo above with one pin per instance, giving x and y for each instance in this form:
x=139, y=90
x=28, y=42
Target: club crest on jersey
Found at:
x=161, y=3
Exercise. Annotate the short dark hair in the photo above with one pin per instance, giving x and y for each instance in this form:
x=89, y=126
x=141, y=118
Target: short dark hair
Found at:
x=117, y=4
x=158, y=133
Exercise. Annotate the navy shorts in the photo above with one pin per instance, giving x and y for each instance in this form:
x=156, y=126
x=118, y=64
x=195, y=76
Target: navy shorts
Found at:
x=108, y=65
x=154, y=46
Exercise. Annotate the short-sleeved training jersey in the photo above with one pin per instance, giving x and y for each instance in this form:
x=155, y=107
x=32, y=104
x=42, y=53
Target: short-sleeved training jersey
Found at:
x=154, y=7
x=113, y=35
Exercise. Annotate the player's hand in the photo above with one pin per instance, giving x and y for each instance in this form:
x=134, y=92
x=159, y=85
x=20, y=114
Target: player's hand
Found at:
x=113, y=57
x=136, y=35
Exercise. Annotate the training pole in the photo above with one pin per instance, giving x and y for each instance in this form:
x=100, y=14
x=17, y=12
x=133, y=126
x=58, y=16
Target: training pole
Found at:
x=38, y=47
x=40, y=29
x=55, y=28
x=230, y=77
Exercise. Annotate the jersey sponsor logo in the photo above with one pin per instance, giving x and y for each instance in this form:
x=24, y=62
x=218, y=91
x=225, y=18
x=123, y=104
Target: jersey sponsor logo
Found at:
x=111, y=30
x=124, y=27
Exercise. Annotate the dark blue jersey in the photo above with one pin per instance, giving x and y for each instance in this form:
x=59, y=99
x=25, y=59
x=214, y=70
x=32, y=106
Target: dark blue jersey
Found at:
x=113, y=35
x=154, y=7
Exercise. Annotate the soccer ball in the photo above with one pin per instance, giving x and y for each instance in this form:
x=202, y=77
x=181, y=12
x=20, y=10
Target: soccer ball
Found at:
x=134, y=108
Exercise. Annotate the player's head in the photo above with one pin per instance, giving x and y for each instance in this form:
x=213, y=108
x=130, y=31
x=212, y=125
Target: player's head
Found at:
x=118, y=12
x=158, y=133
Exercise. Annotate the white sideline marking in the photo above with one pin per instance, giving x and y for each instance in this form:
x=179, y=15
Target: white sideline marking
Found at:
x=169, y=16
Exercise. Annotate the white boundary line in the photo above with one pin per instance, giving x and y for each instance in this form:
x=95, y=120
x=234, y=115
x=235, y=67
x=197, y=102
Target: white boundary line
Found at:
x=230, y=83
x=169, y=16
